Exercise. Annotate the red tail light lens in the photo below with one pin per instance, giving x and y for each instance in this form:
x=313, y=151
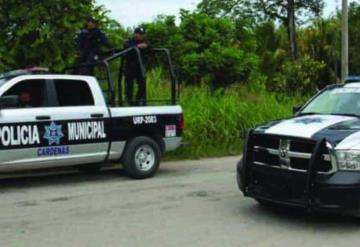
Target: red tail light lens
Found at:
x=182, y=122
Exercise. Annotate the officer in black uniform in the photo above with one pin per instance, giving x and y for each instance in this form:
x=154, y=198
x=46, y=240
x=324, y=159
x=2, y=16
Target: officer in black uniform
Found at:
x=133, y=70
x=88, y=45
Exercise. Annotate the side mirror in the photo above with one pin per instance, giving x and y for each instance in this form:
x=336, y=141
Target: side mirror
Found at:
x=296, y=109
x=10, y=101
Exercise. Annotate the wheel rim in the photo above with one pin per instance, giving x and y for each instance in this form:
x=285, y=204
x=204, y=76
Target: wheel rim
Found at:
x=144, y=158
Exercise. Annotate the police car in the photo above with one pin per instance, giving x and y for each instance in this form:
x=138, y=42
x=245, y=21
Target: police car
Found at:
x=309, y=161
x=56, y=120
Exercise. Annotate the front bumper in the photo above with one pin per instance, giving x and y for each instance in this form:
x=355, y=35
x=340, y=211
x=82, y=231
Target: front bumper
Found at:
x=337, y=192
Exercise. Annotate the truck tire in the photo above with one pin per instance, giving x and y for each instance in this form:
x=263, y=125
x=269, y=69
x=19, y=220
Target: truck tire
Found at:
x=141, y=157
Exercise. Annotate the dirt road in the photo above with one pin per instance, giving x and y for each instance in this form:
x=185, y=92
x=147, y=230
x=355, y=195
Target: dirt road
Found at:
x=192, y=203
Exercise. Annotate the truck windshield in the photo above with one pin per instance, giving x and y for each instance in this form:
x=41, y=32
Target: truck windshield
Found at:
x=335, y=101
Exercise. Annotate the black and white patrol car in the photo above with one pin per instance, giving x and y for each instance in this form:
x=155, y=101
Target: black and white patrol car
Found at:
x=50, y=120
x=311, y=160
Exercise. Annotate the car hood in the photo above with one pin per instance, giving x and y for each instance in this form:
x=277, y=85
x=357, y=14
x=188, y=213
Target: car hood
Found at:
x=339, y=130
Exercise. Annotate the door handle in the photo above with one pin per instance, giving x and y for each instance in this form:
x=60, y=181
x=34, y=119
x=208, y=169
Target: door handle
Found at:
x=97, y=115
x=43, y=117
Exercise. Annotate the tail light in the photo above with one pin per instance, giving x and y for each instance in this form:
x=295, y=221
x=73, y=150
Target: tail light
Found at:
x=182, y=122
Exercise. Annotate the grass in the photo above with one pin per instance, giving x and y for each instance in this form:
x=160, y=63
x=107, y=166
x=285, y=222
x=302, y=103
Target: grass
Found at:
x=216, y=122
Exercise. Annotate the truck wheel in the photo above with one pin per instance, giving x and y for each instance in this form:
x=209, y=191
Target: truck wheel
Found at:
x=141, y=158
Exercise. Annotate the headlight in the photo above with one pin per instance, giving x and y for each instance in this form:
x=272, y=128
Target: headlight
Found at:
x=348, y=160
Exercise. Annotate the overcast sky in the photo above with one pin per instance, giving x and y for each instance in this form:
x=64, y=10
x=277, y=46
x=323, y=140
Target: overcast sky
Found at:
x=132, y=12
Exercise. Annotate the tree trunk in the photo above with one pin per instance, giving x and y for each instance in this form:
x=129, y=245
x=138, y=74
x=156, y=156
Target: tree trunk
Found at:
x=291, y=26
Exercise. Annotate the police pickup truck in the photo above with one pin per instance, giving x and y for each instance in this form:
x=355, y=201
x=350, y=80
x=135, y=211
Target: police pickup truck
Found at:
x=50, y=120
x=309, y=161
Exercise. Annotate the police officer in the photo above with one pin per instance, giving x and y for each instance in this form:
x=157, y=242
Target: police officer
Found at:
x=88, y=45
x=133, y=69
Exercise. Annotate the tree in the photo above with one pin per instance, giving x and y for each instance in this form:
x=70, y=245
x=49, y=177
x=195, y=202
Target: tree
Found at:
x=298, y=77
x=216, y=51
x=281, y=10
x=322, y=41
x=286, y=11
x=271, y=48
x=354, y=38
x=230, y=8
x=42, y=33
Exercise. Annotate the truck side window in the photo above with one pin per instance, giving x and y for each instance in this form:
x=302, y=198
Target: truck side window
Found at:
x=73, y=93
x=31, y=93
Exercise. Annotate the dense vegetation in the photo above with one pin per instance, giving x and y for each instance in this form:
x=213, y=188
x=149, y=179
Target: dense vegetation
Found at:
x=241, y=62
x=217, y=121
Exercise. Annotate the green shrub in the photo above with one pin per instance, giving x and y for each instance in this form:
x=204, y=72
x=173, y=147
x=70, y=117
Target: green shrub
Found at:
x=41, y=33
x=216, y=51
x=298, y=77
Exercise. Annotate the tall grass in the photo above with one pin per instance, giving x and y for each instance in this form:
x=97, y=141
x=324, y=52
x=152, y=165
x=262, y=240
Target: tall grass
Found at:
x=216, y=122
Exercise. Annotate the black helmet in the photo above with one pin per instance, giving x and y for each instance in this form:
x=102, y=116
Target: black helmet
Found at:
x=139, y=30
x=90, y=19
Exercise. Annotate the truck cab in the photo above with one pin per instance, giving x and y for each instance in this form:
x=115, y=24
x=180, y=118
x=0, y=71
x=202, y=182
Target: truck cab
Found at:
x=56, y=120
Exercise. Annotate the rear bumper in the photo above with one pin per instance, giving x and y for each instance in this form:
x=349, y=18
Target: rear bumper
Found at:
x=338, y=192
x=172, y=143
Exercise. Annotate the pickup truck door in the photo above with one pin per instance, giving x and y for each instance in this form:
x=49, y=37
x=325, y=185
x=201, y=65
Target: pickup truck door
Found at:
x=57, y=123
x=22, y=126
x=83, y=119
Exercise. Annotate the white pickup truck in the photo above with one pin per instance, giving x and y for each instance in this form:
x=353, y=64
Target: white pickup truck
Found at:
x=49, y=120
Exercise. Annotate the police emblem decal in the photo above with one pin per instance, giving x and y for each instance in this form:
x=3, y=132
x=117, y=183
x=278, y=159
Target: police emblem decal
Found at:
x=53, y=133
x=308, y=121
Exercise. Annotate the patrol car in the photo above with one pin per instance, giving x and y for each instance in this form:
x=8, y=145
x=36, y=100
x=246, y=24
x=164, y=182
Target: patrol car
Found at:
x=309, y=161
x=56, y=120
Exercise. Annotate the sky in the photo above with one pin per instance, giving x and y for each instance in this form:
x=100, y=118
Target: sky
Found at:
x=133, y=12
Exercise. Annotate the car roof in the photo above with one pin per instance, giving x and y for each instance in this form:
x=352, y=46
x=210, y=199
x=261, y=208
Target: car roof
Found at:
x=40, y=72
x=55, y=77
x=19, y=72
